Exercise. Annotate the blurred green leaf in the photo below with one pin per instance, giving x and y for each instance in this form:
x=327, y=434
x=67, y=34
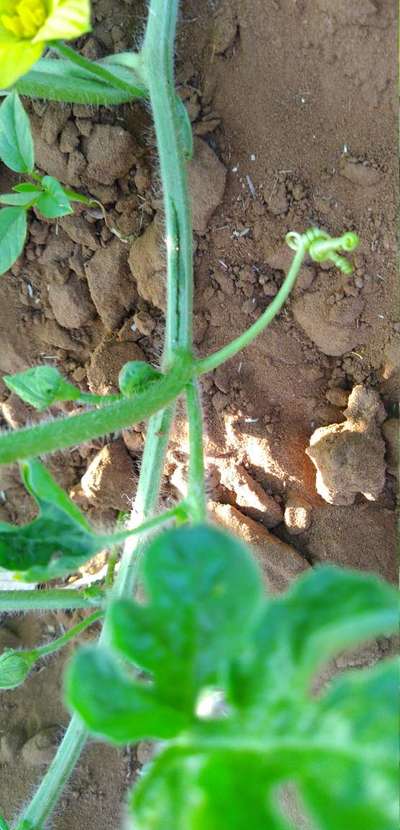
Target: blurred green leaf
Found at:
x=54, y=201
x=114, y=705
x=16, y=143
x=13, y=229
x=205, y=627
x=205, y=593
x=41, y=386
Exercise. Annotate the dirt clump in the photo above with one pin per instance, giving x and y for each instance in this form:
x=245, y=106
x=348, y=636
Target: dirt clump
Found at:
x=107, y=361
x=280, y=562
x=330, y=320
x=110, y=283
x=110, y=479
x=206, y=178
x=39, y=750
x=249, y=496
x=147, y=264
x=350, y=457
x=71, y=303
x=110, y=153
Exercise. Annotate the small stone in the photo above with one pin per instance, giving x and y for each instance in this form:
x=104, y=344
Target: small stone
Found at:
x=297, y=515
x=41, y=748
x=144, y=323
x=337, y=397
x=358, y=282
x=110, y=479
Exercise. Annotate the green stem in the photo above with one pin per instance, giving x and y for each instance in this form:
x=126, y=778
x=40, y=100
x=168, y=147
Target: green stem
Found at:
x=157, y=61
x=51, y=600
x=196, y=489
x=207, y=364
x=60, y=642
x=75, y=429
x=95, y=69
x=159, y=42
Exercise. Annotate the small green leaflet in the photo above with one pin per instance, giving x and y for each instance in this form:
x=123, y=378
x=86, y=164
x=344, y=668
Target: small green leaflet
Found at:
x=13, y=229
x=3, y=824
x=135, y=376
x=58, y=541
x=42, y=386
x=16, y=144
x=25, y=200
x=223, y=772
x=54, y=201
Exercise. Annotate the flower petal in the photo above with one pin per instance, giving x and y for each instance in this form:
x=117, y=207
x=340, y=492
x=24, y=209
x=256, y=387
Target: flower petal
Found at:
x=16, y=58
x=67, y=20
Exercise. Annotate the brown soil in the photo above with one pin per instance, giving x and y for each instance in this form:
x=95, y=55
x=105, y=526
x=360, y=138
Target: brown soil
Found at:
x=292, y=106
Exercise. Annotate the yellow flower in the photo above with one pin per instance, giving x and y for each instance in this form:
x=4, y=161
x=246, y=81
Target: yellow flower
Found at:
x=27, y=25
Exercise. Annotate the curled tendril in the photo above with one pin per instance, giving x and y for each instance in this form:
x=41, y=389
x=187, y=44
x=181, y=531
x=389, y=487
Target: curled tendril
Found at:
x=322, y=247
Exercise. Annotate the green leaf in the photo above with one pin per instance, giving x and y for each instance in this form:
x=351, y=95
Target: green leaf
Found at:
x=16, y=144
x=205, y=791
x=54, y=201
x=59, y=80
x=41, y=386
x=13, y=229
x=135, y=376
x=114, y=705
x=3, y=824
x=184, y=129
x=57, y=542
x=25, y=200
x=27, y=187
x=326, y=611
x=205, y=592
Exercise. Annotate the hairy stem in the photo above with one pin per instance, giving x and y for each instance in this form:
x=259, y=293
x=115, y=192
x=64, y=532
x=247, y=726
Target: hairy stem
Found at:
x=67, y=432
x=157, y=60
x=158, y=57
x=51, y=600
x=60, y=642
x=196, y=490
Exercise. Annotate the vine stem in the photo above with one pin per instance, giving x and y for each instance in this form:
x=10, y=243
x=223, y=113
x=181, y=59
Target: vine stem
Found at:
x=207, y=364
x=51, y=600
x=157, y=57
x=196, y=490
x=60, y=642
